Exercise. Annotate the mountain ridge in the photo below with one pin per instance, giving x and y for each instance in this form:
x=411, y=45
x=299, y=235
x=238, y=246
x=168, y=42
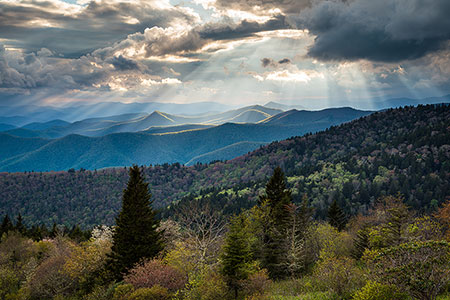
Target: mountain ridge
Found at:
x=153, y=145
x=396, y=151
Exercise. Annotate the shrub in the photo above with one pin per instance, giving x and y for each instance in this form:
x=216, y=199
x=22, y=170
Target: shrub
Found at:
x=338, y=275
x=49, y=278
x=324, y=239
x=207, y=285
x=156, y=292
x=103, y=292
x=377, y=291
x=9, y=282
x=421, y=269
x=122, y=291
x=153, y=272
x=257, y=283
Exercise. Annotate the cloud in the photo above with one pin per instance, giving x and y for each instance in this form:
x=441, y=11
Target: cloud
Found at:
x=123, y=64
x=263, y=7
x=284, y=61
x=269, y=62
x=266, y=62
x=294, y=76
x=384, y=30
x=185, y=43
x=21, y=72
x=75, y=30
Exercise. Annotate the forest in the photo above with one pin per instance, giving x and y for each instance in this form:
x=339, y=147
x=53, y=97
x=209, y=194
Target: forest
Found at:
x=274, y=250
x=405, y=150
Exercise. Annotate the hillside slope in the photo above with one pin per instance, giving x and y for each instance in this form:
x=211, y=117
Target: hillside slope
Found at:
x=403, y=151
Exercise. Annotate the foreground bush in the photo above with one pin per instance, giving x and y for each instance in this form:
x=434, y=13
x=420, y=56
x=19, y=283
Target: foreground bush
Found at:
x=377, y=291
x=153, y=272
x=338, y=275
x=257, y=283
x=121, y=292
x=421, y=269
x=206, y=285
x=156, y=292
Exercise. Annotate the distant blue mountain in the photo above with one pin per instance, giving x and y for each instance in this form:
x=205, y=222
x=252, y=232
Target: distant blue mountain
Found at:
x=186, y=144
x=4, y=127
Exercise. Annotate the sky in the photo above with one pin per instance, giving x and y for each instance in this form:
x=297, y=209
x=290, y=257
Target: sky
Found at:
x=237, y=52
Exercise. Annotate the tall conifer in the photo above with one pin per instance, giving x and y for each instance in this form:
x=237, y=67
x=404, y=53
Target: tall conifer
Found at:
x=237, y=256
x=6, y=225
x=336, y=216
x=276, y=199
x=135, y=235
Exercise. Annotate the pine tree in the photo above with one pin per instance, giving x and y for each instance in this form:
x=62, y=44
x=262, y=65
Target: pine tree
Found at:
x=277, y=200
x=54, y=231
x=360, y=242
x=336, y=216
x=135, y=235
x=236, y=257
x=19, y=225
x=397, y=219
x=6, y=225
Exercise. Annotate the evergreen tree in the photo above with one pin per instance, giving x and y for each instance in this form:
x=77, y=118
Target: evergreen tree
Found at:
x=336, y=216
x=360, y=242
x=397, y=219
x=276, y=200
x=54, y=231
x=77, y=234
x=135, y=235
x=6, y=225
x=19, y=225
x=236, y=257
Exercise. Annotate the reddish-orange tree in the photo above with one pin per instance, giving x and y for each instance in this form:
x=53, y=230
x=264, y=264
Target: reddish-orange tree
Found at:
x=153, y=272
x=443, y=215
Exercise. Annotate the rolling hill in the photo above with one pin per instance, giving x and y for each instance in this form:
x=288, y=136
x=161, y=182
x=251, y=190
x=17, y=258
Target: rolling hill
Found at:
x=157, y=145
x=20, y=115
x=403, y=151
x=330, y=115
x=136, y=122
x=4, y=127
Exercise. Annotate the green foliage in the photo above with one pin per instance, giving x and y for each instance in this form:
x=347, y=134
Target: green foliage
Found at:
x=377, y=291
x=123, y=291
x=135, y=236
x=237, y=256
x=336, y=216
x=276, y=200
x=421, y=269
x=156, y=292
x=361, y=242
x=206, y=285
x=338, y=275
x=9, y=282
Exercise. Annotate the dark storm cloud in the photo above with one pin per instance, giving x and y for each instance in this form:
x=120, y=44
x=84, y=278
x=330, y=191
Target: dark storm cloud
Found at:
x=284, y=61
x=265, y=62
x=269, y=62
x=123, y=64
x=74, y=34
x=224, y=31
x=385, y=30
